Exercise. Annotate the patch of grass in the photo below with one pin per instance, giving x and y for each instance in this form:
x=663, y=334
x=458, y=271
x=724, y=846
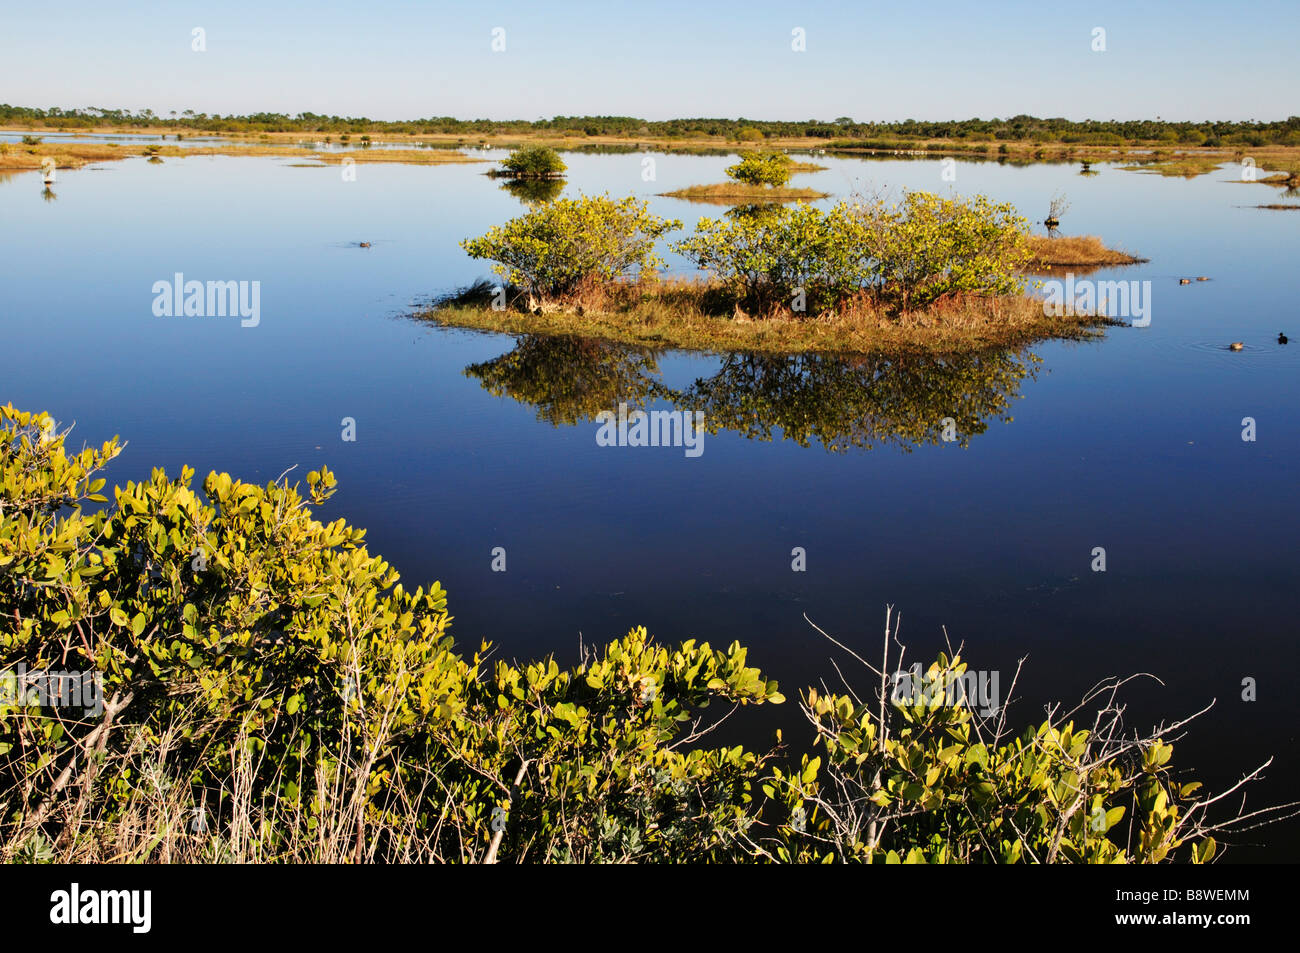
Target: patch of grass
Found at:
x=405, y=156
x=1187, y=167
x=695, y=316
x=74, y=155
x=66, y=155
x=1086, y=251
x=739, y=193
x=1281, y=207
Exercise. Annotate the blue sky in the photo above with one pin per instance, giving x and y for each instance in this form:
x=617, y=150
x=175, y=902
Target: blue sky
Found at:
x=659, y=59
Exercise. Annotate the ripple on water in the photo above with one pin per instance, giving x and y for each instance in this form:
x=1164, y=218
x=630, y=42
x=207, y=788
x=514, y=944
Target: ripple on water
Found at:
x=1252, y=352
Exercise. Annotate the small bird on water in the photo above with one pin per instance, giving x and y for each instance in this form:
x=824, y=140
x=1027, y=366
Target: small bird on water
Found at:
x=1281, y=338
x=1184, y=281
x=1236, y=346
x=365, y=244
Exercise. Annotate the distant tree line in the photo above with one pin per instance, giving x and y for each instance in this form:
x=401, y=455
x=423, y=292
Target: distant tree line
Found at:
x=843, y=130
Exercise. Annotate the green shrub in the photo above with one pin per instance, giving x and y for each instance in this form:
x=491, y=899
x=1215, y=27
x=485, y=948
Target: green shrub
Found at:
x=271, y=692
x=764, y=260
x=929, y=247
x=534, y=162
x=556, y=248
x=264, y=664
x=909, y=255
x=941, y=784
x=762, y=168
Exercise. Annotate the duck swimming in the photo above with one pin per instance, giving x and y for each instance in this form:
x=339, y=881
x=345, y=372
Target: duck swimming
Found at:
x=1281, y=338
x=1236, y=346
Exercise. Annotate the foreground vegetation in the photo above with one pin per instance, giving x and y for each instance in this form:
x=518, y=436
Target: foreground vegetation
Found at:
x=272, y=693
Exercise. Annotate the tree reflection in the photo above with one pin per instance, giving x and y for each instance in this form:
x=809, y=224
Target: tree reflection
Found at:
x=851, y=402
x=534, y=191
x=571, y=379
x=859, y=402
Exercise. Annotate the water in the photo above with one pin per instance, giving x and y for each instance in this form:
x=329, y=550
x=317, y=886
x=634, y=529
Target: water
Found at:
x=1132, y=443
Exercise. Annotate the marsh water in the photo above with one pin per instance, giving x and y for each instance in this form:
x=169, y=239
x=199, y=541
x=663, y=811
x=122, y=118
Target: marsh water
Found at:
x=465, y=442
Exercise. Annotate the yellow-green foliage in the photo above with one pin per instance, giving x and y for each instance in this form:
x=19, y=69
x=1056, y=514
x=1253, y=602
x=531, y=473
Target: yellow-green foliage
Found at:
x=928, y=247
x=534, y=162
x=767, y=257
x=557, y=247
x=256, y=634
x=269, y=669
x=762, y=168
x=939, y=790
x=912, y=254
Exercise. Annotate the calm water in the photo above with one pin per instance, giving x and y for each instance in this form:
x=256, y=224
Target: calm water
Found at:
x=465, y=443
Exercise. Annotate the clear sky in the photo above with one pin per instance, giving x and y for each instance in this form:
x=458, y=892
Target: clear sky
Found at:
x=658, y=59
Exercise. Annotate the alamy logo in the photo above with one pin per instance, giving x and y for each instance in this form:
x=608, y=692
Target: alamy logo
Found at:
x=658, y=428
x=213, y=299
x=62, y=689
x=74, y=906
x=1115, y=299
x=971, y=689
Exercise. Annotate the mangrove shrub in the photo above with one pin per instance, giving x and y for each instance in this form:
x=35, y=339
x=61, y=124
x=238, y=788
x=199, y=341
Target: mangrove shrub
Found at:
x=555, y=248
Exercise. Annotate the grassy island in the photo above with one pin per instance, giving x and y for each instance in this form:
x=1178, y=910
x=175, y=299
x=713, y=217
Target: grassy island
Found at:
x=927, y=275
x=1076, y=251
x=758, y=178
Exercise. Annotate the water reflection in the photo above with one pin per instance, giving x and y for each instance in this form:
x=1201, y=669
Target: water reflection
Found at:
x=534, y=191
x=857, y=402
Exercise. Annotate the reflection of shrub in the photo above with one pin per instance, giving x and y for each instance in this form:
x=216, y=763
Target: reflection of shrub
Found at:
x=557, y=247
x=759, y=168
x=570, y=379
x=762, y=259
x=910, y=255
x=536, y=162
x=534, y=191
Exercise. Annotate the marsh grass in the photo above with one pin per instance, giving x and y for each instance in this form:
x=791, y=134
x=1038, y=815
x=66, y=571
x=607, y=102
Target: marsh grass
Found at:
x=739, y=193
x=1183, y=166
x=1083, y=251
x=66, y=155
x=695, y=315
x=74, y=155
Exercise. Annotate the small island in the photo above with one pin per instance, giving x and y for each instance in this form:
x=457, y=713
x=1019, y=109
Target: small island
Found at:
x=758, y=178
x=929, y=275
x=1077, y=251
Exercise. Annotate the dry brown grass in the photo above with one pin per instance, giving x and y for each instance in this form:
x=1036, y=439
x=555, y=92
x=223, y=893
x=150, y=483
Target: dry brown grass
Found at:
x=16, y=157
x=1183, y=166
x=685, y=315
x=406, y=156
x=74, y=155
x=1017, y=151
x=740, y=193
x=1081, y=251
